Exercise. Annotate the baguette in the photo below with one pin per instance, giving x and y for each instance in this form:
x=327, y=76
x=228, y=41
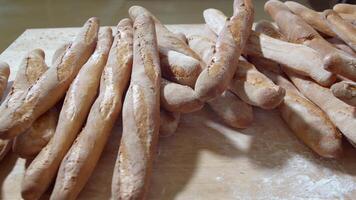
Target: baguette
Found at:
x=260, y=45
x=307, y=121
x=345, y=8
x=168, y=123
x=81, y=159
x=4, y=76
x=345, y=91
x=215, y=78
x=179, y=98
x=313, y=18
x=269, y=29
x=235, y=112
x=340, y=113
x=141, y=116
x=28, y=144
x=215, y=19
x=298, y=31
x=52, y=85
x=343, y=29
x=179, y=63
x=77, y=103
x=255, y=88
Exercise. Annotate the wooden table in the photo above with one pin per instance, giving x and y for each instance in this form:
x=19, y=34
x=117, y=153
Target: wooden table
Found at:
x=205, y=159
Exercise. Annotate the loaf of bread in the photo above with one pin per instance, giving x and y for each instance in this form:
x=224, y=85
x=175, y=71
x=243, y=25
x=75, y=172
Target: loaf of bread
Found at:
x=75, y=109
x=52, y=85
x=345, y=8
x=141, y=116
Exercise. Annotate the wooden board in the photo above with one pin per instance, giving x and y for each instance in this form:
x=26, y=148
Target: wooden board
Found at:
x=205, y=159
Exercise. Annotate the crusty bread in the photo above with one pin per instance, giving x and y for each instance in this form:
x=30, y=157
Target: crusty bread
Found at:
x=81, y=159
x=179, y=63
x=52, y=85
x=215, y=78
x=344, y=30
x=340, y=113
x=307, y=121
x=4, y=76
x=141, y=116
x=75, y=109
x=168, y=123
x=313, y=18
x=345, y=8
x=345, y=91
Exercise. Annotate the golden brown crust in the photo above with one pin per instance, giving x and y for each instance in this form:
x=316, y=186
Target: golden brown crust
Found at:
x=4, y=76
x=345, y=91
x=310, y=16
x=308, y=122
x=231, y=40
x=141, y=112
x=52, y=85
x=168, y=123
x=77, y=103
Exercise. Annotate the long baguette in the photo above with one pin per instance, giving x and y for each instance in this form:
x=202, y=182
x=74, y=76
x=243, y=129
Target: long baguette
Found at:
x=343, y=29
x=345, y=8
x=299, y=58
x=215, y=79
x=179, y=63
x=340, y=113
x=81, y=159
x=313, y=18
x=4, y=76
x=308, y=122
x=297, y=30
x=179, y=98
x=52, y=85
x=345, y=91
x=168, y=123
x=77, y=103
x=141, y=116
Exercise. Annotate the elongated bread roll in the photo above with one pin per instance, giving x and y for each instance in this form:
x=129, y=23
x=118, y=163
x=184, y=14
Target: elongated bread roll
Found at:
x=81, y=159
x=299, y=58
x=4, y=76
x=340, y=113
x=168, y=123
x=343, y=29
x=345, y=91
x=255, y=88
x=52, y=85
x=310, y=16
x=215, y=79
x=179, y=63
x=297, y=30
x=77, y=103
x=308, y=122
x=269, y=29
x=215, y=19
x=345, y=8
x=179, y=98
x=141, y=112
x=30, y=143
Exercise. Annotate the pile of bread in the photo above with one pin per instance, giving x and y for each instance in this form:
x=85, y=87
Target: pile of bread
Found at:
x=305, y=66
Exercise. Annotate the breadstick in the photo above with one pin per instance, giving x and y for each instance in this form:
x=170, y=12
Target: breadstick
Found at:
x=341, y=45
x=141, y=116
x=340, y=113
x=5, y=147
x=255, y=88
x=30, y=143
x=298, y=31
x=299, y=58
x=345, y=8
x=81, y=159
x=308, y=122
x=4, y=76
x=179, y=63
x=269, y=29
x=52, y=85
x=77, y=103
x=345, y=30
x=179, y=98
x=168, y=123
x=215, y=19
x=311, y=17
x=345, y=91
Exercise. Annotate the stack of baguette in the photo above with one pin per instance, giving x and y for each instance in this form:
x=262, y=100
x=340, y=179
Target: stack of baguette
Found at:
x=304, y=65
